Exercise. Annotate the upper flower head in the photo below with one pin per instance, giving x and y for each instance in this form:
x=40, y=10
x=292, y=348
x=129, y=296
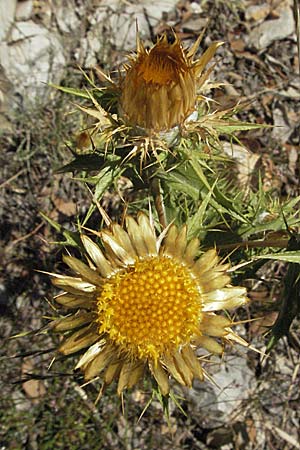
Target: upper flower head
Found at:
x=145, y=305
x=154, y=101
x=160, y=86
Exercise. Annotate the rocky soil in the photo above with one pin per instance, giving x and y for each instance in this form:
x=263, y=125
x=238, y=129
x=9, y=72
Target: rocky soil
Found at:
x=255, y=403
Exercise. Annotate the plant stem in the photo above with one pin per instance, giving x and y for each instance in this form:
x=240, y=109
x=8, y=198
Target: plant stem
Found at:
x=156, y=191
x=277, y=243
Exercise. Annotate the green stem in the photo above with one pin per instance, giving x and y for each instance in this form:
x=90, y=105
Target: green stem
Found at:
x=156, y=191
x=277, y=243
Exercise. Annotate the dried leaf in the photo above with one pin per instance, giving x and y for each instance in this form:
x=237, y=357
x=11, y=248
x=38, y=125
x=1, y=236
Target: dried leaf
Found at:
x=68, y=208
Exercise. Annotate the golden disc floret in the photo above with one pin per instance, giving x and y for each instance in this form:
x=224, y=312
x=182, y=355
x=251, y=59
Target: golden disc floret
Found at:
x=151, y=308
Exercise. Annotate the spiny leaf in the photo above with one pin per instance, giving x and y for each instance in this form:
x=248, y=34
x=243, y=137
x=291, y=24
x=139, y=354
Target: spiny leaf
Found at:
x=106, y=178
x=195, y=223
x=73, y=91
x=230, y=126
x=292, y=257
x=290, y=307
x=71, y=237
x=92, y=161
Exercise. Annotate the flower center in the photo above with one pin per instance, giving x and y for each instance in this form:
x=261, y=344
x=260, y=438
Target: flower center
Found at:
x=150, y=308
x=162, y=65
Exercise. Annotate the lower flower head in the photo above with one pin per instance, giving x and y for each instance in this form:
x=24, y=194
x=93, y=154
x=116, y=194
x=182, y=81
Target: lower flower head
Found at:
x=146, y=303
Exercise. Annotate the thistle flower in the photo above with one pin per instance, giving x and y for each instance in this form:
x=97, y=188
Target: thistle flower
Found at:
x=155, y=97
x=160, y=86
x=145, y=304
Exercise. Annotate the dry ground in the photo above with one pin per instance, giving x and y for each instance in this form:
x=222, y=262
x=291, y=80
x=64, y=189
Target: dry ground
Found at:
x=54, y=411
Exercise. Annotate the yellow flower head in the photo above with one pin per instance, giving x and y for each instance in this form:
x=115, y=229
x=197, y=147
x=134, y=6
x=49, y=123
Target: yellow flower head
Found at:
x=160, y=86
x=155, y=100
x=146, y=303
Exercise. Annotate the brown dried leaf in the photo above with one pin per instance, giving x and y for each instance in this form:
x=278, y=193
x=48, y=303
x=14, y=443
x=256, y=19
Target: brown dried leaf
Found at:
x=246, y=161
x=251, y=430
x=237, y=45
x=68, y=208
x=260, y=326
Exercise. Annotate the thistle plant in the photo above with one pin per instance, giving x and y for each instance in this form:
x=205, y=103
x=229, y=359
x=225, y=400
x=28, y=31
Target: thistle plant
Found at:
x=154, y=286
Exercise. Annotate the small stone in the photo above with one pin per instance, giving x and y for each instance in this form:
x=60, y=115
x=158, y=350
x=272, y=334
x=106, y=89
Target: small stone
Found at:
x=196, y=8
x=114, y=15
x=34, y=56
x=233, y=382
x=293, y=90
x=20, y=401
x=67, y=19
x=24, y=10
x=195, y=24
x=257, y=12
x=273, y=30
x=293, y=158
x=282, y=130
x=7, y=14
x=156, y=10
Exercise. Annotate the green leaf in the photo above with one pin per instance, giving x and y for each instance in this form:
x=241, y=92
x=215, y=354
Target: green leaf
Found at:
x=72, y=91
x=263, y=204
x=292, y=257
x=106, y=178
x=181, y=180
x=227, y=127
x=290, y=307
x=196, y=222
x=200, y=174
x=91, y=161
x=71, y=237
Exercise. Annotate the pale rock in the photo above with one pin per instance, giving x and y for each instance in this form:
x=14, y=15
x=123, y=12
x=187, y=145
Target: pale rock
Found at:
x=293, y=158
x=5, y=101
x=196, y=8
x=23, y=30
x=196, y=24
x=24, y=10
x=232, y=382
x=245, y=161
x=66, y=17
x=126, y=23
x=293, y=90
x=93, y=43
x=20, y=401
x=257, y=12
x=282, y=130
x=156, y=10
x=116, y=21
x=273, y=30
x=7, y=15
x=105, y=9
x=33, y=57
